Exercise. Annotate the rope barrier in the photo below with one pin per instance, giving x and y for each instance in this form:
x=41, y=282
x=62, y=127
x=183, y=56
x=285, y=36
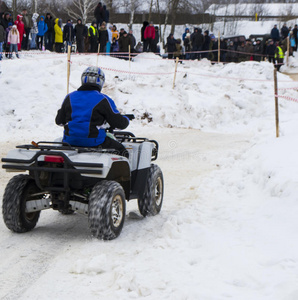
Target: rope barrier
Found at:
x=287, y=98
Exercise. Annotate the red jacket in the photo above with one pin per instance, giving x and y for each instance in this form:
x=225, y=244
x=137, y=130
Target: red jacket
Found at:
x=149, y=32
x=20, y=25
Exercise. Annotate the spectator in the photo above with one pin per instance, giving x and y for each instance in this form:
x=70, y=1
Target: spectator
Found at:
x=185, y=33
x=98, y=14
x=171, y=45
x=242, y=56
x=48, y=37
x=2, y=39
x=115, y=45
x=21, y=30
x=197, y=41
x=27, y=27
x=110, y=34
x=6, y=47
x=270, y=51
x=178, y=50
x=292, y=43
x=206, y=44
x=275, y=34
x=115, y=33
x=13, y=39
x=34, y=31
x=124, y=42
x=58, y=35
x=258, y=51
x=121, y=32
x=279, y=56
x=149, y=36
x=93, y=37
x=145, y=24
x=133, y=41
x=80, y=32
x=284, y=31
x=187, y=46
x=295, y=33
x=6, y=18
x=106, y=14
x=231, y=54
x=249, y=49
x=68, y=34
x=42, y=29
x=156, y=40
x=103, y=37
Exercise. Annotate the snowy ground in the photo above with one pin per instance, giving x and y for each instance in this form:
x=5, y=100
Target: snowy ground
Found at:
x=228, y=226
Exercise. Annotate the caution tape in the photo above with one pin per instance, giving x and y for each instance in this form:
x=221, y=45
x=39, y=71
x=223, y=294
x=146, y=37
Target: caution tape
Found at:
x=287, y=98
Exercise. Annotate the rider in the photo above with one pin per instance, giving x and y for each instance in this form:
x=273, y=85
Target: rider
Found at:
x=85, y=112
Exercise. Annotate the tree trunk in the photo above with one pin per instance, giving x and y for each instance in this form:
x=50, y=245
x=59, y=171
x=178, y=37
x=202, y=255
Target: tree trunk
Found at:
x=150, y=10
x=14, y=9
x=174, y=13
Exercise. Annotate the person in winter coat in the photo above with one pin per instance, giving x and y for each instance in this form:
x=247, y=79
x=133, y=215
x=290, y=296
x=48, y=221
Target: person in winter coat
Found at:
x=178, y=50
x=99, y=14
x=133, y=41
x=171, y=45
x=49, y=35
x=275, y=34
x=149, y=36
x=241, y=52
x=231, y=54
x=115, y=33
x=292, y=43
x=249, y=49
x=2, y=39
x=27, y=27
x=13, y=39
x=185, y=33
x=197, y=41
x=156, y=40
x=6, y=18
x=115, y=46
x=103, y=37
x=106, y=14
x=58, y=35
x=278, y=56
x=206, y=44
x=68, y=33
x=21, y=29
x=258, y=51
x=145, y=44
x=34, y=31
x=80, y=32
x=270, y=51
x=85, y=112
x=42, y=29
x=284, y=31
x=295, y=33
x=93, y=38
x=124, y=43
x=187, y=46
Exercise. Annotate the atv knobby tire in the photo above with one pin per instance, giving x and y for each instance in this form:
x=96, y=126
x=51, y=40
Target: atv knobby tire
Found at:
x=151, y=202
x=106, y=210
x=18, y=191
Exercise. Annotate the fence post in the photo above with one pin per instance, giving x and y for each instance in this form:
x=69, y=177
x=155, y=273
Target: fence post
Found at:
x=218, y=59
x=129, y=56
x=68, y=66
x=177, y=60
x=98, y=50
x=276, y=103
x=288, y=50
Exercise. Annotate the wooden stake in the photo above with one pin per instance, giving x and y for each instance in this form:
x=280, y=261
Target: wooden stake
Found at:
x=129, y=56
x=276, y=103
x=98, y=50
x=68, y=66
x=177, y=60
x=218, y=59
x=288, y=50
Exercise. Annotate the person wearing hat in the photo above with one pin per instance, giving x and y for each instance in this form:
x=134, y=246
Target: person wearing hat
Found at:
x=187, y=45
x=149, y=36
x=275, y=33
x=68, y=33
x=93, y=37
x=124, y=42
x=49, y=35
x=206, y=44
x=13, y=39
x=103, y=37
x=58, y=35
x=21, y=29
x=42, y=29
x=80, y=32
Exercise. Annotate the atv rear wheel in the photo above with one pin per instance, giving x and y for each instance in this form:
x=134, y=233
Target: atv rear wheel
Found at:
x=18, y=191
x=106, y=210
x=151, y=202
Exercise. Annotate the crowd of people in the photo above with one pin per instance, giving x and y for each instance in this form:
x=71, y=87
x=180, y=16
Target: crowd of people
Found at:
x=48, y=33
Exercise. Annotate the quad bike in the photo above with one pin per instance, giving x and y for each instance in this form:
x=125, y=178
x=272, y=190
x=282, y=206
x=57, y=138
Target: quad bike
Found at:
x=92, y=181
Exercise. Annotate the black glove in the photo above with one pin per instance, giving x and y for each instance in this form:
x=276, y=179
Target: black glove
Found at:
x=130, y=116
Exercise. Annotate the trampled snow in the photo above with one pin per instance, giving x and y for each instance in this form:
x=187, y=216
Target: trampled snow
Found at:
x=228, y=226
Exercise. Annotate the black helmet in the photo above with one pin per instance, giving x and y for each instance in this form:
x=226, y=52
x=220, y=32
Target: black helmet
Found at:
x=93, y=75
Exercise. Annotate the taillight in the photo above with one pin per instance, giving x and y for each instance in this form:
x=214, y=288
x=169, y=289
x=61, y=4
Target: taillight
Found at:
x=54, y=159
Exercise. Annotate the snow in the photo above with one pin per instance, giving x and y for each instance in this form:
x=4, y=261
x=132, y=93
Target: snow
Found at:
x=228, y=225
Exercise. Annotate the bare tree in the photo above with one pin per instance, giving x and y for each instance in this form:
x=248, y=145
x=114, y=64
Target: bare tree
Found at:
x=80, y=9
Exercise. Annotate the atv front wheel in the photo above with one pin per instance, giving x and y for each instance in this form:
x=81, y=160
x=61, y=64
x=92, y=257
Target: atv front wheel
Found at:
x=151, y=202
x=18, y=191
x=106, y=210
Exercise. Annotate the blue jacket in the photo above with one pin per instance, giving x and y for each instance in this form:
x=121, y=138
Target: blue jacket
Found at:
x=42, y=27
x=84, y=114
